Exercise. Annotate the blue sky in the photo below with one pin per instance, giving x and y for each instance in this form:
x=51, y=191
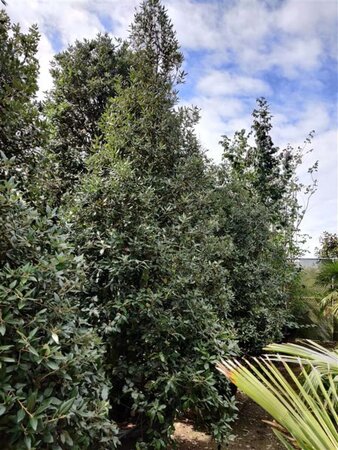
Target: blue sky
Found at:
x=235, y=51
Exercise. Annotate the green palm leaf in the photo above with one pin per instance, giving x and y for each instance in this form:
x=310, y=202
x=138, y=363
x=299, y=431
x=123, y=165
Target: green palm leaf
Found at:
x=329, y=304
x=303, y=407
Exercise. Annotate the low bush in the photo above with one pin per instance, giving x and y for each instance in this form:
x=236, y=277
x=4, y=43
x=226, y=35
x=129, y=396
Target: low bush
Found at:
x=53, y=393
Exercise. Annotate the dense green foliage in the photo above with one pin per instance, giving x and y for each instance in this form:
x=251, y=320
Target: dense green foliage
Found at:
x=52, y=386
x=53, y=389
x=84, y=78
x=259, y=211
x=327, y=278
x=259, y=270
x=310, y=323
x=21, y=131
x=329, y=245
x=328, y=274
x=157, y=262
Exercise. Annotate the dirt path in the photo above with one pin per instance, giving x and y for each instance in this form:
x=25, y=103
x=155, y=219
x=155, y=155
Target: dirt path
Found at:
x=251, y=433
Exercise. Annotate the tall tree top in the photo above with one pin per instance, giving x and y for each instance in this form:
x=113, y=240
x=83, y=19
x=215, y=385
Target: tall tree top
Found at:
x=154, y=40
x=21, y=133
x=329, y=245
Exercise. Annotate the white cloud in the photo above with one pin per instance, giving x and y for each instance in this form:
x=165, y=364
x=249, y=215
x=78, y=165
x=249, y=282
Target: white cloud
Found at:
x=196, y=23
x=217, y=83
x=256, y=36
x=322, y=214
x=308, y=17
x=74, y=23
x=45, y=55
x=292, y=123
x=217, y=116
x=121, y=14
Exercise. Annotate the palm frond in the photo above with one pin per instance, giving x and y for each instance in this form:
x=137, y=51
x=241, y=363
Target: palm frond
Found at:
x=329, y=304
x=304, y=411
x=327, y=272
x=305, y=353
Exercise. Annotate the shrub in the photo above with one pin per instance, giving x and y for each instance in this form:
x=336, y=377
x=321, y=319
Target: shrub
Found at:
x=53, y=393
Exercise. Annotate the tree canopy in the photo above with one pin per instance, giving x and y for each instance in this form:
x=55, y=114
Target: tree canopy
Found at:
x=21, y=131
x=84, y=81
x=329, y=245
x=130, y=263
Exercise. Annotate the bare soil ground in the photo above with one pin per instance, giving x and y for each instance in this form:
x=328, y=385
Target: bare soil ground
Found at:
x=251, y=433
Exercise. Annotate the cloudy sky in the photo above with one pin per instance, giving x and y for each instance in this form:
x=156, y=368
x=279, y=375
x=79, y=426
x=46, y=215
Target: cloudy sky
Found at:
x=235, y=51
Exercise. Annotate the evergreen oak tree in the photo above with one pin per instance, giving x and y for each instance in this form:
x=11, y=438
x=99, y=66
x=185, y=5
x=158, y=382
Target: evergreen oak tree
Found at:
x=142, y=216
x=84, y=78
x=21, y=130
x=257, y=194
x=53, y=390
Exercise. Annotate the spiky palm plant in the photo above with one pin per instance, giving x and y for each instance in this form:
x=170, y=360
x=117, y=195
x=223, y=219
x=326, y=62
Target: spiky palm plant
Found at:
x=303, y=406
x=328, y=273
x=328, y=276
